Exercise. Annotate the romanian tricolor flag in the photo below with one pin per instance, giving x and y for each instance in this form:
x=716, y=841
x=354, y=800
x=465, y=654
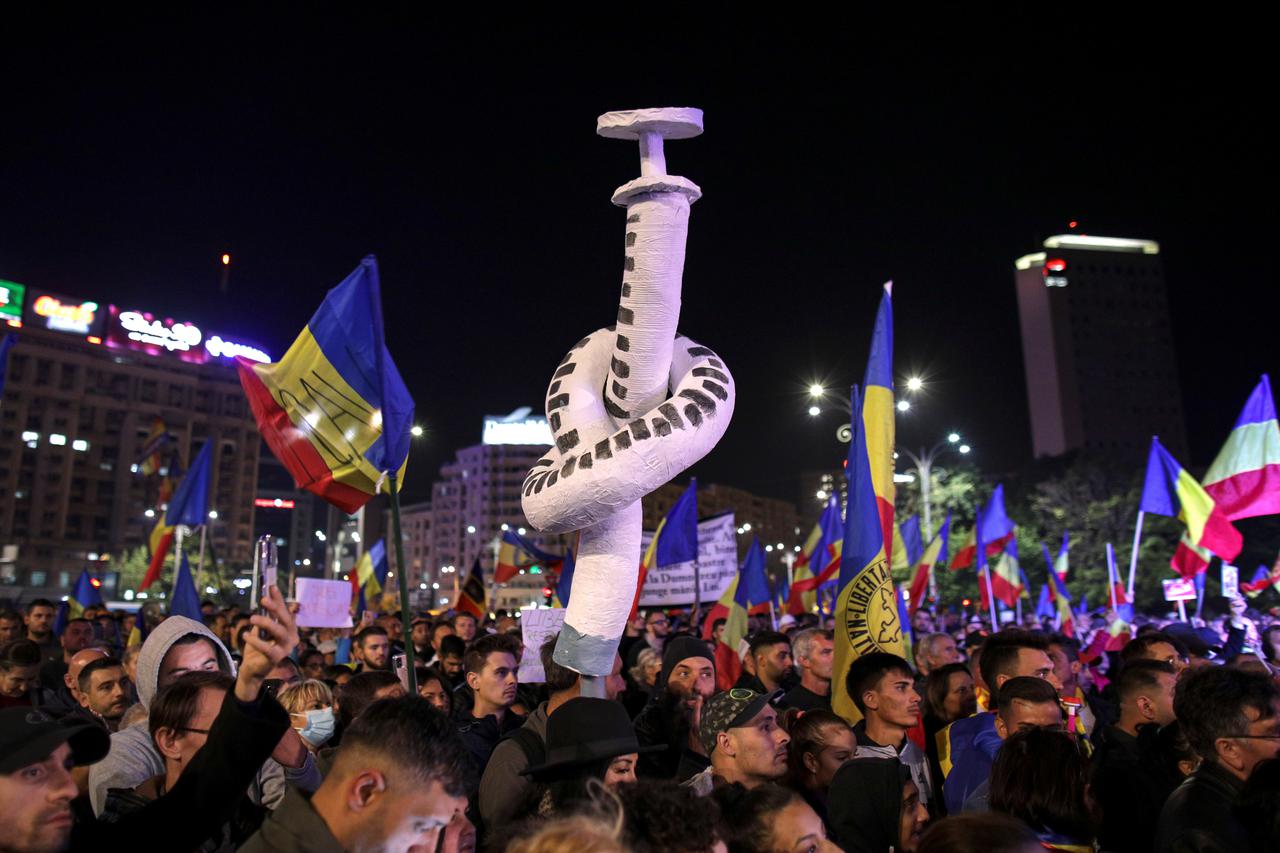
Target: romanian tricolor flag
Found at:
x=138, y=633
x=907, y=546
x=334, y=410
x=817, y=561
x=748, y=591
x=370, y=576
x=1062, y=563
x=472, y=598
x=934, y=555
x=189, y=506
x=996, y=529
x=867, y=607
x=151, y=456
x=1262, y=579
x=1062, y=601
x=1170, y=490
x=516, y=553
x=564, y=583
x=1006, y=578
x=1244, y=480
x=675, y=541
x=1189, y=559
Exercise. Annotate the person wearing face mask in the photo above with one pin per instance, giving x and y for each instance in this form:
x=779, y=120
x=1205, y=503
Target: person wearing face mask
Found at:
x=310, y=707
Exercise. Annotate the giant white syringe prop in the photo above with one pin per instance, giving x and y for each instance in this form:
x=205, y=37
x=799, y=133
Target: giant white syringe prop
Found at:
x=631, y=406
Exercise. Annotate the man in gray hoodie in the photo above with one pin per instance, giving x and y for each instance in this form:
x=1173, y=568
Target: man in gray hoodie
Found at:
x=176, y=646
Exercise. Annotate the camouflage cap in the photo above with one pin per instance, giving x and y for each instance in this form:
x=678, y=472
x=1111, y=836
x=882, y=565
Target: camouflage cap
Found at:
x=729, y=710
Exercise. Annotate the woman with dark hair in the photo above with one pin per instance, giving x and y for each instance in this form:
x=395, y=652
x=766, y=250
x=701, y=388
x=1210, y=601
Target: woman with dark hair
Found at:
x=588, y=740
x=769, y=819
x=433, y=687
x=980, y=832
x=949, y=694
x=821, y=742
x=875, y=807
x=1040, y=777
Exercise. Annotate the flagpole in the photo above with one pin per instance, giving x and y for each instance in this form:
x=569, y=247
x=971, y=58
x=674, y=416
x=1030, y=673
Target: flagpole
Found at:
x=1133, y=557
x=402, y=576
x=697, y=593
x=1200, y=595
x=991, y=595
x=204, y=529
x=1112, y=578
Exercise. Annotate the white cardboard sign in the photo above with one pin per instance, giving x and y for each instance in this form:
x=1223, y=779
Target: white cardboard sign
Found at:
x=717, y=567
x=1230, y=581
x=1179, y=589
x=535, y=627
x=323, y=604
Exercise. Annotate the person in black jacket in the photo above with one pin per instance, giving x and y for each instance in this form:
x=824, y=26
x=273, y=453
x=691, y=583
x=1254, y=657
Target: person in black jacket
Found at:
x=1232, y=720
x=37, y=754
x=687, y=681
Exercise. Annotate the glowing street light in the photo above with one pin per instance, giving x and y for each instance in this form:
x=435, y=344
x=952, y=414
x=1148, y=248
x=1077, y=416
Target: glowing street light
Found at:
x=816, y=390
x=416, y=431
x=953, y=437
x=904, y=405
x=964, y=448
x=814, y=411
x=915, y=383
x=226, y=259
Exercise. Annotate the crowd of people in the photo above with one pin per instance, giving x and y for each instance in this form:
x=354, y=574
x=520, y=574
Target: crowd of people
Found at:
x=245, y=732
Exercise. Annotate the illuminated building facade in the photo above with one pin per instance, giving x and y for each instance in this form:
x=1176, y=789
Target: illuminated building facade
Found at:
x=773, y=521
x=83, y=387
x=1097, y=346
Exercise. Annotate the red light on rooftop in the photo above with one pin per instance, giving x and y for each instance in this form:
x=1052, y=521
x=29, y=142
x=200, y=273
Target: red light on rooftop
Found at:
x=273, y=503
x=1055, y=265
x=1072, y=224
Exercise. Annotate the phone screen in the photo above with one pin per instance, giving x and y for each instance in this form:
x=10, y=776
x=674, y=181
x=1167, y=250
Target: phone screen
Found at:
x=401, y=669
x=267, y=559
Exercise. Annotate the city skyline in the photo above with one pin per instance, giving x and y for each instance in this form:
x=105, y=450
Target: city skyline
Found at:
x=878, y=164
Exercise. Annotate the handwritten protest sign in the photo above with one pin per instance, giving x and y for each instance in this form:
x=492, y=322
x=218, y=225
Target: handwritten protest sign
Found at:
x=323, y=604
x=717, y=567
x=535, y=627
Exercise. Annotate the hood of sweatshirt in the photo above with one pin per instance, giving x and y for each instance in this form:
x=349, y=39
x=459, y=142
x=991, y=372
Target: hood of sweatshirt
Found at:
x=160, y=640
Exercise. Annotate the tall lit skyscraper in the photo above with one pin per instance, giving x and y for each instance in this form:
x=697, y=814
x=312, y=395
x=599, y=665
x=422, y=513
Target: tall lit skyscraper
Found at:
x=1097, y=346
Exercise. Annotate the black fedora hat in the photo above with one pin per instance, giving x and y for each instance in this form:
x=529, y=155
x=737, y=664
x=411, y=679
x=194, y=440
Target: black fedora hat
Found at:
x=586, y=730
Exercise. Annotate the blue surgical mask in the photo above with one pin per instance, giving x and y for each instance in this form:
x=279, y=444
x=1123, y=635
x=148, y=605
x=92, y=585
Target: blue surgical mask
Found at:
x=319, y=727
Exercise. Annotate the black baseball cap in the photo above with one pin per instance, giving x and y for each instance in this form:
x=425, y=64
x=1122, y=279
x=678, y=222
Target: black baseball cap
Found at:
x=28, y=735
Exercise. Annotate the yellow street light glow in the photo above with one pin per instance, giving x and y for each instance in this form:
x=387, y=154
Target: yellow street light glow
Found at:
x=226, y=260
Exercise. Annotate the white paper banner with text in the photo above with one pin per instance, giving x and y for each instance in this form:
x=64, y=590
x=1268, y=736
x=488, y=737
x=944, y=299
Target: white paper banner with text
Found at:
x=672, y=585
x=323, y=603
x=535, y=627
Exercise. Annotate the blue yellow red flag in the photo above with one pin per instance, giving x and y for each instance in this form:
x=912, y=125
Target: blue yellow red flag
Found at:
x=750, y=590
x=515, y=553
x=933, y=556
x=188, y=505
x=472, y=598
x=1171, y=490
x=334, y=409
x=565, y=582
x=867, y=608
x=819, y=559
x=184, y=600
x=675, y=540
x=86, y=593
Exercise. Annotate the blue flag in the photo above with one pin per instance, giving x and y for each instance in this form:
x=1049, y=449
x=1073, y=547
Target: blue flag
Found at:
x=185, y=601
x=84, y=594
x=1044, y=607
x=678, y=542
x=6, y=343
x=753, y=583
x=565, y=584
x=190, y=502
x=910, y=531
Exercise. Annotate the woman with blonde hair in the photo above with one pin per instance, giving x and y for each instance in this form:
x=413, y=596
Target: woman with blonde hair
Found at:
x=310, y=707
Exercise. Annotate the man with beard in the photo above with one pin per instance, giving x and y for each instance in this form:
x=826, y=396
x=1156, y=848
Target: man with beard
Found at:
x=687, y=680
x=102, y=691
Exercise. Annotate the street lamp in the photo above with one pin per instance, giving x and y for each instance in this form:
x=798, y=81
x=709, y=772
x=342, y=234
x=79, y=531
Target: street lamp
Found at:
x=923, y=462
x=814, y=411
x=915, y=383
x=904, y=405
x=816, y=390
x=416, y=431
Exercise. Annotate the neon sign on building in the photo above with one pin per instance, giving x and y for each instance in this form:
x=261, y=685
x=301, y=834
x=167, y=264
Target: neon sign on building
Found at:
x=65, y=315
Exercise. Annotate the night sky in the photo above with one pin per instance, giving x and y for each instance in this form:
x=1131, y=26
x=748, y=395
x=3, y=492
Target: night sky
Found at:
x=134, y=153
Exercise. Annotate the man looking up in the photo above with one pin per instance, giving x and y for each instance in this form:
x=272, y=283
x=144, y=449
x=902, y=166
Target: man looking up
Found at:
x=40, y=616
x=968, y=746
x=671, y=718
x=770, y=651
x=1128, y=777
x=882, y=688
x=739, y=731
x=398, y=778
x=815, y=657
x=375, y=648
x=491, y=668
x=175, y=647
x=1024, y=703
x=101, y=690
x=1232, y=720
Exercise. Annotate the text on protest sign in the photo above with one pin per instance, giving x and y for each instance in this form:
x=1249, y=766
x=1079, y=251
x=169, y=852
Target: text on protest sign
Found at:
x=535, y=627
x=672, y=585
x=323, y=604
